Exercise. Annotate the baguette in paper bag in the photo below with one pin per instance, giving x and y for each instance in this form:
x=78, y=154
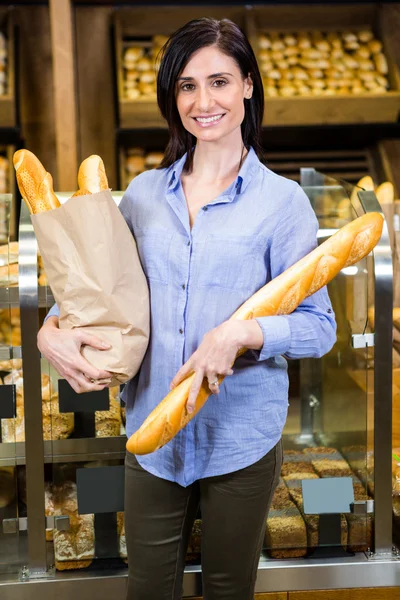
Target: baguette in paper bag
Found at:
x=92, y=266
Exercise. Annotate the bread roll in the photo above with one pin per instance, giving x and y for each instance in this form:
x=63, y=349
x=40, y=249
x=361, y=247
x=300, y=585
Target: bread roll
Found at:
x=35, y=184
x=132, y=55
x=375, y=46
x=281, y=296
x=132, y=94
x=144, y=64
x=365, y=36
x=381, y=64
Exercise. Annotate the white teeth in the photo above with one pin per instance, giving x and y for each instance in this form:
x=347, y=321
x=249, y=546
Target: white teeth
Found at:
x=208, y=119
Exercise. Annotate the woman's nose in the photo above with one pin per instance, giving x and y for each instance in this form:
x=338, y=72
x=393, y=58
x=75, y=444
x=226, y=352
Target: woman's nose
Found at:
x=204, y=100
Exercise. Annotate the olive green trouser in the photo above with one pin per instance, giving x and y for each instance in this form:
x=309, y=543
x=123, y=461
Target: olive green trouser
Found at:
x=159, y=516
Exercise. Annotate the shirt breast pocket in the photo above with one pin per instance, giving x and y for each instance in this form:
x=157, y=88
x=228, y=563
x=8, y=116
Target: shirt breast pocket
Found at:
x=154, y=249
x=232, y=262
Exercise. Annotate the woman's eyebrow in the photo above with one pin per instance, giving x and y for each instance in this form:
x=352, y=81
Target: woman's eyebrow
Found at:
x=209, y=77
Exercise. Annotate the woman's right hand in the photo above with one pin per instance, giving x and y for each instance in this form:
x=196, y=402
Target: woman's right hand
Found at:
x=62, y=348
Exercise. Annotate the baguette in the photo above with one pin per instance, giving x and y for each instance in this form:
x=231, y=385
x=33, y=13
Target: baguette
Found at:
x=280, y=296
x=92, y=176
x=35, y=184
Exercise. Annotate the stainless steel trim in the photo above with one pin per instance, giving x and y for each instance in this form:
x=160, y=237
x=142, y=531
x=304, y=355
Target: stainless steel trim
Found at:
x=28, y=297
x=383, y=285
x=273, y=576
x=77, y=450
x=362, y=340
x=61, y=523
x=10, y=525
x=15, y=525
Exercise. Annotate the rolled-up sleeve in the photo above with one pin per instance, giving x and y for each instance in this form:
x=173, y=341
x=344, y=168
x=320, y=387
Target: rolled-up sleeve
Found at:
x=310, y=331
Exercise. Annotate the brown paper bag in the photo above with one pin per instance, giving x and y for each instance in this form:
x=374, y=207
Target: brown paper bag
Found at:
x=94, y=271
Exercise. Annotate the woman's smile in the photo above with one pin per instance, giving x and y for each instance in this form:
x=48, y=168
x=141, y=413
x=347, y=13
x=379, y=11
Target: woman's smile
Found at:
x=209, y=121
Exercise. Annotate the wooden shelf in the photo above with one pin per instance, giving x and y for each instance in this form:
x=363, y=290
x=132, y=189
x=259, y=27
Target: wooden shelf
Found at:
x=279, y=111
x=7, y=101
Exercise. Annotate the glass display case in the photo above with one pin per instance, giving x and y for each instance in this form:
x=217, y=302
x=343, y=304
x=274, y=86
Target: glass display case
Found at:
x=62, y=454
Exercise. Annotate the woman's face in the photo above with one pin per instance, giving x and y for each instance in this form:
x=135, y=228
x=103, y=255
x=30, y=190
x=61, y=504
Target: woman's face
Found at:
x=210, y=94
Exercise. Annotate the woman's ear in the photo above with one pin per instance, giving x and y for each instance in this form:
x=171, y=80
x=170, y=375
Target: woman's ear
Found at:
x=248, y=87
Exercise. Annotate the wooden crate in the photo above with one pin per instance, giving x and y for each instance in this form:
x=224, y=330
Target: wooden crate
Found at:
x=139, y=25
x=7, y=101
x=323, y=110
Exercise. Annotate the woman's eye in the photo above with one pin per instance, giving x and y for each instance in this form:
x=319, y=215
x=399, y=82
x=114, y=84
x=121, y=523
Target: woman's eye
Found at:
x=219, y=82
x=187, y=87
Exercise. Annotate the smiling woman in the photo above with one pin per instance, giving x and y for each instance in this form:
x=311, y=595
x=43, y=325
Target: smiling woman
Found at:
x=212, y=226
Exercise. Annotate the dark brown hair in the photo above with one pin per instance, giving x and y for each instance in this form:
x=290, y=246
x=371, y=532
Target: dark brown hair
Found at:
x=176, y=53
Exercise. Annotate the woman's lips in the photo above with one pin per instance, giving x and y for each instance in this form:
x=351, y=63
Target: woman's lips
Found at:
x=209, y=121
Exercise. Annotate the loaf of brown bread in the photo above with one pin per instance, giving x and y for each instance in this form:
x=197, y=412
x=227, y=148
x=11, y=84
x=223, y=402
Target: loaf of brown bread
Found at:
x=280, y=296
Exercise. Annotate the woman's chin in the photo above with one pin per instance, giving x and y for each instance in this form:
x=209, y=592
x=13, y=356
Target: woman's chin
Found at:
x=209, y=136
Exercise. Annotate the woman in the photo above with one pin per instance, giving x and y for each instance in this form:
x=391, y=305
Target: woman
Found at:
x=212, y=225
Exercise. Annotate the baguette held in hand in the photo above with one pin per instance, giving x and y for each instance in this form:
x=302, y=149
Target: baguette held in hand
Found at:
x=281, y=296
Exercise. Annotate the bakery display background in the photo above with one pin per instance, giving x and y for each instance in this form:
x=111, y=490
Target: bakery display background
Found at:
x=127, y=152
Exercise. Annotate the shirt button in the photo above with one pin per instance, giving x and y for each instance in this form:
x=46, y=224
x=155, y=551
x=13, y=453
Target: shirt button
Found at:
x=329, y=310
x=183, y=286
x=188, y=243
x=181, y=330
x=205, y=207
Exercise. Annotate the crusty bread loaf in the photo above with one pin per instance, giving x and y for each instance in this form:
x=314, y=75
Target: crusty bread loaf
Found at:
x=280, y=296
x=92, y=176
x=73, y=548
x=35, y=184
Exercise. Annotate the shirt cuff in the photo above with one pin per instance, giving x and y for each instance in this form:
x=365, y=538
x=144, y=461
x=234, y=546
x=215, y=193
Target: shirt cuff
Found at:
x=53, y=312
x=277, y=337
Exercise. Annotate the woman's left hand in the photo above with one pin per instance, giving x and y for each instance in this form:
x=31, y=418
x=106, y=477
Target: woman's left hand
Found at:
x=214, y=357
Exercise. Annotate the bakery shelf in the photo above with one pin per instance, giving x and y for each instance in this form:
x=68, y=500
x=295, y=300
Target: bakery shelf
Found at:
x=7, y=100
x=323, y=110
x=9, y=297
x=69, y=450
x=85, y=449
x=279, y=111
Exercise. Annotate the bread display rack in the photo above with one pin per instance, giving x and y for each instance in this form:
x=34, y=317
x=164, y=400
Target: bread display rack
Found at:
x=286, y=105
x=53, y=470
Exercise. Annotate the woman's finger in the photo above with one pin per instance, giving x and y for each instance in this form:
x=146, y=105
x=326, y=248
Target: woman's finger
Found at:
x=183, y=372
x=92, y=340
x=85, y=385
x=91, y=372
x=194, y=391
x=213, y=383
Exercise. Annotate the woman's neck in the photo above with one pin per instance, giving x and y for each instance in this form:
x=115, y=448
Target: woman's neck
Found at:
x=214, y=163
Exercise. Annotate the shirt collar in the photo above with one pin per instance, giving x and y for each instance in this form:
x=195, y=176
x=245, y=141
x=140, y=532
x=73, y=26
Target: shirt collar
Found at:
x=244, y=176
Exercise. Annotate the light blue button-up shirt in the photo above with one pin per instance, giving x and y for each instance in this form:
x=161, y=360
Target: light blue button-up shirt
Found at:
x=258, y=227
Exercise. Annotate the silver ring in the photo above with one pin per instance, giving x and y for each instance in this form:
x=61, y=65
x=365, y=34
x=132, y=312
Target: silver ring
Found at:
x=213, y=382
